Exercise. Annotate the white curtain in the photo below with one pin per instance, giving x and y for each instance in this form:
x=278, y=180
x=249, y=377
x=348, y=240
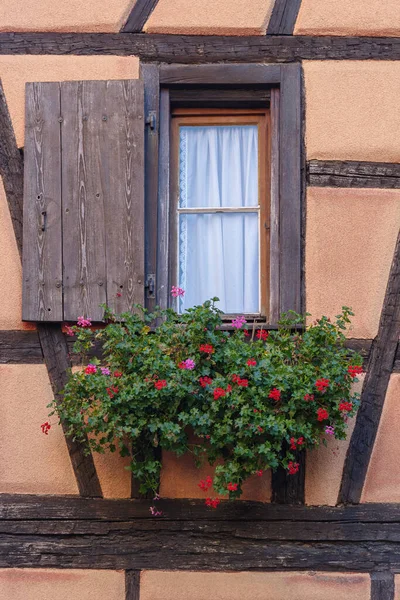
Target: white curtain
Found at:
x=219, y=253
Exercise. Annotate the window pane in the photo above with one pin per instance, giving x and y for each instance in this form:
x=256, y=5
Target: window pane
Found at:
x=218, y=166
x=219, y=256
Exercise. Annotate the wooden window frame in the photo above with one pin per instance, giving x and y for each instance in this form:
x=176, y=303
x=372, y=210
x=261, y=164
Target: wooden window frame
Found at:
x=230, y=116
x=166, y=86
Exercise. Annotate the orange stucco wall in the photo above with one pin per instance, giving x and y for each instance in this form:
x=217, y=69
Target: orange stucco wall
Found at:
x=61, y=584
x=30, y=462
x=69, y=15
x=350, y=240
x=226, y=17
x=341, y=17
x=351, y=110
x=383, y=478
x=159, y=585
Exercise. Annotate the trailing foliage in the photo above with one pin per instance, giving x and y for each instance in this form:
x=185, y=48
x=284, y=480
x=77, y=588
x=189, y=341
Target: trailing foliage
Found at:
x=245, y=399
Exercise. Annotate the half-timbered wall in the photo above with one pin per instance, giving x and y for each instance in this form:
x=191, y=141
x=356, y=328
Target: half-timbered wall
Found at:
x=351, y=90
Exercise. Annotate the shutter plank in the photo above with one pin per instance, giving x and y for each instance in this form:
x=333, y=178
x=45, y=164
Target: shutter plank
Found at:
x=290, y=182
x=122, y=160
x=83, y=192
x=42, y=260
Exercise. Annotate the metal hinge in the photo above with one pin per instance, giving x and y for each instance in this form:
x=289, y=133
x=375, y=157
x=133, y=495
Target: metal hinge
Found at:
x=150, y=285
x=151, y=120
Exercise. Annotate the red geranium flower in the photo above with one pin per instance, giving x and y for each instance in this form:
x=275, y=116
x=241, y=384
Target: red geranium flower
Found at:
x=213, y=502
x=293, y=468
x=117, y=374
x=91, y=370
x=353, y=371
x=346, y=406
x=207, y=348
x=294, y=443
x=275, y=394
x=112, y=391
x=251, y=362
x=160, y=384
x=232, y=487
x=262, y=334
x=242, y=382
x=322, y=414
x=205, y=485
x=219, y=393
x=309, y=397
x=259, y=473
x=45, y=427
x=322, y=384
x=260, y=429
x=205, y=381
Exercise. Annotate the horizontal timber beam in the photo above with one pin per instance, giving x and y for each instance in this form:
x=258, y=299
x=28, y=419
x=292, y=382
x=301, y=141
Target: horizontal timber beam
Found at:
x=23, y=347
x=171, y=48
x=60, y=532
x=353, y=174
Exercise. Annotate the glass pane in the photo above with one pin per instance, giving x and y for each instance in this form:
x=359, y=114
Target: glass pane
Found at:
x=219, y=256
x=218, y=166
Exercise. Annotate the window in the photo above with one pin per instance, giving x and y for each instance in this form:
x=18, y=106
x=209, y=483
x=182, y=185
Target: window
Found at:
x=220, y=208
x=192, y=175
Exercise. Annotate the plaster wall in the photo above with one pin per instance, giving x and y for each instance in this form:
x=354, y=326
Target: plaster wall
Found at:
x=178, y=585
x=324, y=465
x=68, y=15
x=226, y=17
x=61, y=584
x=352, y=109
x=30, y=462
x=350, y=241
x=15, y=71
x=341, y=17
x=382, y=483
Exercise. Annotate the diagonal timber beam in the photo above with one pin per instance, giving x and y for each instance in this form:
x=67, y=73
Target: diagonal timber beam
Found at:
x=376, y=382
x=51, y=338
x=140, y=12
x=283, y=17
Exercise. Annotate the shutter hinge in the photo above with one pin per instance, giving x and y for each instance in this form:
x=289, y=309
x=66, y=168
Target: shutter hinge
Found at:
x=150, y=285
x=151, y=120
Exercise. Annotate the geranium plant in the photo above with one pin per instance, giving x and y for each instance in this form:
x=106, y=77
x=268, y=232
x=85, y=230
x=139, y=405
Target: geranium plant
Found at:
x=246, y=399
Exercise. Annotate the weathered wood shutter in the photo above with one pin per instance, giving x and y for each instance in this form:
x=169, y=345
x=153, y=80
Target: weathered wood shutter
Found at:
x=83, y=241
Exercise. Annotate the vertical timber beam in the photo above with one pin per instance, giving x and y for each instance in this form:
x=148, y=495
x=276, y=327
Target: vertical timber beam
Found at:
x=382, y=357
x=140, y=12
x=51, y=338
x=283, y=17
x=382, y=586
x=132, y=585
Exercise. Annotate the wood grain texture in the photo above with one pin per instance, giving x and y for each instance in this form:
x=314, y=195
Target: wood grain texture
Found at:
x=290, y=489
x=140, y=13
x=68, y=532
x=275, y=211
x=103, y=196
x=188, y=49
x=219, y=74
x=150, y=77
x=83, y=199
x=283, y=17
x=11, y=169
x=57, y=361
x=132, y=585
x=382, y=358
x=42, y=221
x=211, y=97
x=290, y=139
x=353, y=174
x=20, y=347
x=382, y=586
x=162, y=278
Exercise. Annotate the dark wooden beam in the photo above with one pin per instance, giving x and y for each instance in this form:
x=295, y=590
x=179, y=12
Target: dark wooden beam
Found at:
x=59, y=532
x=11, y=169
x=382, y=586
x=382, y=358
x=140, y=13
x=218, y=75
x=203, y=49
x=353, y=174
x=283, y=17
x=290, y=489
x=132, y=585
x=56, y=357
x=52, y=344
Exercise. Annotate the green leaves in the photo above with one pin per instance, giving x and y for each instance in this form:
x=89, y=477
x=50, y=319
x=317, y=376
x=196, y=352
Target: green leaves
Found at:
x=150, y=400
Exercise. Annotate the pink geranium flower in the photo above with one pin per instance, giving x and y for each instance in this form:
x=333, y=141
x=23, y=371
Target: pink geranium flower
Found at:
x=238, y=322
x=82, y=322
x=177, y=291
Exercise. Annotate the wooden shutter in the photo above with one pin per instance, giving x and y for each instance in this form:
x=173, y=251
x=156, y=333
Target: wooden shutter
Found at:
x=83, y=241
